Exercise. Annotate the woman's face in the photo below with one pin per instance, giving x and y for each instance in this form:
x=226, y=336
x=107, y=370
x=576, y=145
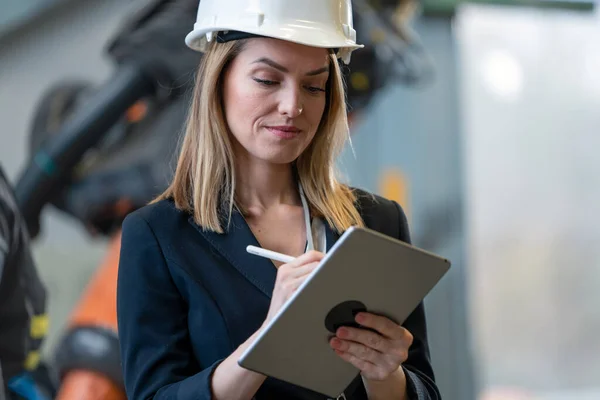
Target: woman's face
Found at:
x=274, y=96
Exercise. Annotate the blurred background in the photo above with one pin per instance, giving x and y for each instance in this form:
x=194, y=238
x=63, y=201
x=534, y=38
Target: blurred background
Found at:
x=480, y=117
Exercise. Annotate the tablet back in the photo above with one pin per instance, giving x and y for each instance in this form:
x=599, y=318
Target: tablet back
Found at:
x=364, y=269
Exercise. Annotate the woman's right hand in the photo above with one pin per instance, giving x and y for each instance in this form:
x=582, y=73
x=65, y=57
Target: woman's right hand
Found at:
x=229, y=379
x=289, y=277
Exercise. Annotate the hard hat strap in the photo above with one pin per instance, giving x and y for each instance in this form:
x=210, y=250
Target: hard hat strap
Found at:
x=227, y=36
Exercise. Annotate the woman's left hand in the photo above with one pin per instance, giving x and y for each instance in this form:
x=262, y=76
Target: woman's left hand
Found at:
x=378, y=355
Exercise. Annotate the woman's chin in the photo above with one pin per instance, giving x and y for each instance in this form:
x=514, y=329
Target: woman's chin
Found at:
x=278, y=157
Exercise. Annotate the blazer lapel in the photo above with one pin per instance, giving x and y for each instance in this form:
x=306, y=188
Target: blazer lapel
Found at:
x=261, y=272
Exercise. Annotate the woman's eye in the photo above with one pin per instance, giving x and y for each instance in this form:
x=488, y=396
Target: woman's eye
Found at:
x=315, y=89
x=265, y=82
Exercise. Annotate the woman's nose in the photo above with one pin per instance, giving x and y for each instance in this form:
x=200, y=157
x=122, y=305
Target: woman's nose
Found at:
x=290, y=103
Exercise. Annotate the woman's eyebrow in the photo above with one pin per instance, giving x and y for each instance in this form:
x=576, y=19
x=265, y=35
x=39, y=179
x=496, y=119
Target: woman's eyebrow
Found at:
x=277, y=66
x=318, y=71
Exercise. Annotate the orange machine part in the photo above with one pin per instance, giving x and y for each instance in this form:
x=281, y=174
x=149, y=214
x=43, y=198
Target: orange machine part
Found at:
x=98, y=305
x=88, y=385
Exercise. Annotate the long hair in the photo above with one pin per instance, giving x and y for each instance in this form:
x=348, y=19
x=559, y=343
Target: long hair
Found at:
x=205, y=176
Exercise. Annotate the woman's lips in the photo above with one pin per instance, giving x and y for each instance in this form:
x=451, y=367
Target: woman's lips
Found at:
x=285, y=131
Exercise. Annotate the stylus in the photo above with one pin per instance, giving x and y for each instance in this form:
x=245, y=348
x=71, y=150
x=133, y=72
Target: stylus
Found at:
x=273, y=255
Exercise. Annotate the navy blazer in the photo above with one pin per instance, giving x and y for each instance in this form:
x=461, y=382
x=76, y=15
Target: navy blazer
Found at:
x=187, y=298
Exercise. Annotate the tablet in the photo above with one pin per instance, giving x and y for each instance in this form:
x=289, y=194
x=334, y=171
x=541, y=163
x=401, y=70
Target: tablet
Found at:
x=363, y=271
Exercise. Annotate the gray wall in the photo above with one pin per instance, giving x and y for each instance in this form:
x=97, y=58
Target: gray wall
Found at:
x=531, y=95
x=416, y=131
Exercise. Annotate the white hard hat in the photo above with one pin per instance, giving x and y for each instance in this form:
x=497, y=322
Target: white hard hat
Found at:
x=318, y=23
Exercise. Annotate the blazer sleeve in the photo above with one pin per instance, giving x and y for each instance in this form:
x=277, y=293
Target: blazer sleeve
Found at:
x=419, y=372
x=152, y=315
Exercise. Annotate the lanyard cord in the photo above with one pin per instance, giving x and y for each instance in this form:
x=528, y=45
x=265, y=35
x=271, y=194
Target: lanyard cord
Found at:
x=316, y=227
x=310, y=244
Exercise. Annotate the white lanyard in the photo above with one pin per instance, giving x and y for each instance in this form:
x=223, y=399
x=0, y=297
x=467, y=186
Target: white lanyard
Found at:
x=319, y=243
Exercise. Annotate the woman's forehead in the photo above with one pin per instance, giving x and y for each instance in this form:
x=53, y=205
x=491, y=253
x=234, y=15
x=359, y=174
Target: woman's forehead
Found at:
x=290, y=56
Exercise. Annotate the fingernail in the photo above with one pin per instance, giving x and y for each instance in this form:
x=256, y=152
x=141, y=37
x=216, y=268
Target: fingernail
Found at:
x=360, y=317
x=342, y=332
x=335, y=342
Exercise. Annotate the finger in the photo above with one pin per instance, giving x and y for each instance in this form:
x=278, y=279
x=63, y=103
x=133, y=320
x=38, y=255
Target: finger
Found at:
x=303, y=270
x=293, y=282
x=296, y=282
x=358, y=350
x=289, y=274
x=365, y=337
x=306, y=258
x=394, y=351
x=383, y=325
x=367, y=368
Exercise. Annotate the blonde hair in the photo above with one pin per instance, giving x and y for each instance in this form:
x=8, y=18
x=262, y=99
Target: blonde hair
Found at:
x=205, y=174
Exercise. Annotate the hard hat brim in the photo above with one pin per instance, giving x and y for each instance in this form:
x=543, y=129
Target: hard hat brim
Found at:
x=308, y=36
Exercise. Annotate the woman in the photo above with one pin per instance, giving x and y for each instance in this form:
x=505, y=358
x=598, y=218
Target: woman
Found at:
x=266, y=122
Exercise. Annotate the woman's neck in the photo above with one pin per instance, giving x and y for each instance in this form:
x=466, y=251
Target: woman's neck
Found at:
x=261, y=185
